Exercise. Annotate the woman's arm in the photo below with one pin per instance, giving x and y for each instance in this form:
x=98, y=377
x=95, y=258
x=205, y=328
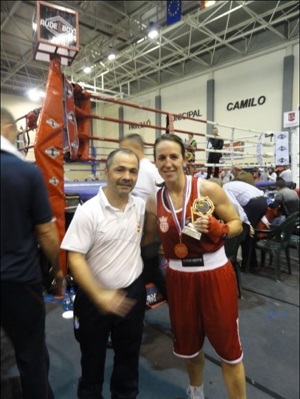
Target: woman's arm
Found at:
x=223, y=209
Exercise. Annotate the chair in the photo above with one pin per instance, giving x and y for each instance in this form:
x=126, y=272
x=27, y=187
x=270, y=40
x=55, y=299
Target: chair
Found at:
x=277, y=240
x=295, y=237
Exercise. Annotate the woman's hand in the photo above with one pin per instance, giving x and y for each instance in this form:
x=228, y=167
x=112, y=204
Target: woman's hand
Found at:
x=202, y=223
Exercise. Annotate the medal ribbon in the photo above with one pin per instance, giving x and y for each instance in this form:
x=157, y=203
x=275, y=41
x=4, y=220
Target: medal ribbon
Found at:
x=174, y=215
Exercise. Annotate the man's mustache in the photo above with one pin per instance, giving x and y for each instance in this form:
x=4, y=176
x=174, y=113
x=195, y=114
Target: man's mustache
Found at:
x=125, y=183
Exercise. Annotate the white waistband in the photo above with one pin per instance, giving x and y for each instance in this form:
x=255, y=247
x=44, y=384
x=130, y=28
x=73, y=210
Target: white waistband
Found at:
x=211, y=261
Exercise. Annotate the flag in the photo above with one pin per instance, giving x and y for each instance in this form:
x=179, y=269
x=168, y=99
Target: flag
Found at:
x=282, y=148
x=173, y=11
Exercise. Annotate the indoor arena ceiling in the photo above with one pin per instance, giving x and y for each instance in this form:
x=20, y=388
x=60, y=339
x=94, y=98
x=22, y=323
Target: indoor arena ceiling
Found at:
x=204, y=39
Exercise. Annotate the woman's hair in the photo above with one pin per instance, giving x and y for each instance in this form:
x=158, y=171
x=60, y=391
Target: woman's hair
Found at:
x=170, y=137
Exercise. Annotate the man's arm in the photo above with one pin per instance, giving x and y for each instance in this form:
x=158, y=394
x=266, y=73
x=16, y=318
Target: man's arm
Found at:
x=150, y=231
x=107, y=300
x=48, y=239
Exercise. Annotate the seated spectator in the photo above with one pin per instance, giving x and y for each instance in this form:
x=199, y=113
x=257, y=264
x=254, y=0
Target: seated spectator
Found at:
x=272, y=175
x=286, y=174
x=236, y=169
x=285, y=199
x=226, y=175
x=201, y=173
x=255, y=173
x=264, y=174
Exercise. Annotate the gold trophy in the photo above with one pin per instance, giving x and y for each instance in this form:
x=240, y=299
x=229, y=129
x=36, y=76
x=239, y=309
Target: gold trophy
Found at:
x=201, y=206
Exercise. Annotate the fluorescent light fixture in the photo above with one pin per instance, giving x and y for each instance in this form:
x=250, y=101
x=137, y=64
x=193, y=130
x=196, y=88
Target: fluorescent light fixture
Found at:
x=111, y=56
x=35, y=94
x=209, y=3
x=87, y=69
x=153, y=32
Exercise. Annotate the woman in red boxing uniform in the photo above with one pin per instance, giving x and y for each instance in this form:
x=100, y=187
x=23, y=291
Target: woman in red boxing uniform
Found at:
x=194, y=217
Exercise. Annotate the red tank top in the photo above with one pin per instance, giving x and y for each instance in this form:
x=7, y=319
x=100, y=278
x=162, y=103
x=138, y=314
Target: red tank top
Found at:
x=169, y=234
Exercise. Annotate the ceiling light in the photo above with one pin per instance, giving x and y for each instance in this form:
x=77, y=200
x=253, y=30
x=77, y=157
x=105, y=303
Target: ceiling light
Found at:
x=35, y=94
x=87, y=69
x=111, y=55
x=153, y=32
x=206, y=3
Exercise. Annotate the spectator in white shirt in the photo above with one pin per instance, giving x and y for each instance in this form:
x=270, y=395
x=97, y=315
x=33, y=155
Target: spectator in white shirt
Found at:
x=255, y=205
x=247, y=228
x=272, y=175
x=201, y=173
x=226, y=175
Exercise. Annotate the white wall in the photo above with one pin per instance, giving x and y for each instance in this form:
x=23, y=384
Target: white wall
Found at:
x=258, y=77
x=18, y=106
x=295, y=52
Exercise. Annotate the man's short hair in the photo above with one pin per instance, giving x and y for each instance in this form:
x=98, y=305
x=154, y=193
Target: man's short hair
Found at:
x=135, y=138
x=237, y=167
x=280, y=183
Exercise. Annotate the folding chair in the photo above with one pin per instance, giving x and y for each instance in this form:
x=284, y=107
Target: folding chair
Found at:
x=278, y=239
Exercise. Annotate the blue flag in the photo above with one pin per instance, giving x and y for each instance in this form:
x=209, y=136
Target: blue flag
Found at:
x=173, y=11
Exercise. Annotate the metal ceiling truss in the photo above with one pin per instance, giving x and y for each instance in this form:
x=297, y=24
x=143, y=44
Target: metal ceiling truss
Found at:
x=202, y=40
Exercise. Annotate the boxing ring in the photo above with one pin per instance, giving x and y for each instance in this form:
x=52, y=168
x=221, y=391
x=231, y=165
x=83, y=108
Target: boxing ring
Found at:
x=59, y=138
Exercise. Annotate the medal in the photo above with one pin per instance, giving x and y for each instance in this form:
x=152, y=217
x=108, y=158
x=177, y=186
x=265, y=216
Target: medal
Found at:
x=180, y=250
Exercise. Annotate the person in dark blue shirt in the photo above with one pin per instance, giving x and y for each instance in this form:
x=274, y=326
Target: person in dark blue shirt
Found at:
x=26, y=224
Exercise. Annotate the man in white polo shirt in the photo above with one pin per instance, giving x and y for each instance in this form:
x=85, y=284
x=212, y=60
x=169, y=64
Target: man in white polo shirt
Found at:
x=104, y=255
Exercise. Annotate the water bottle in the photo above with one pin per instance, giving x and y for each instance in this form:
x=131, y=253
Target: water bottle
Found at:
x=72, y=295
x=67, y=302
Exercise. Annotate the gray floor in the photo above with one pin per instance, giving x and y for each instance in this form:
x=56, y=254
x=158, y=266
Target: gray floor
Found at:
x=269, y=325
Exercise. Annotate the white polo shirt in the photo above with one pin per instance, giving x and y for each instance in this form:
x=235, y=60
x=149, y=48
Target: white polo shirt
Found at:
x=109, y=238
x=147, y=177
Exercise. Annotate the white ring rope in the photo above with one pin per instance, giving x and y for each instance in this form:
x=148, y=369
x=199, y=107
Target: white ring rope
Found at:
x=238, y=145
